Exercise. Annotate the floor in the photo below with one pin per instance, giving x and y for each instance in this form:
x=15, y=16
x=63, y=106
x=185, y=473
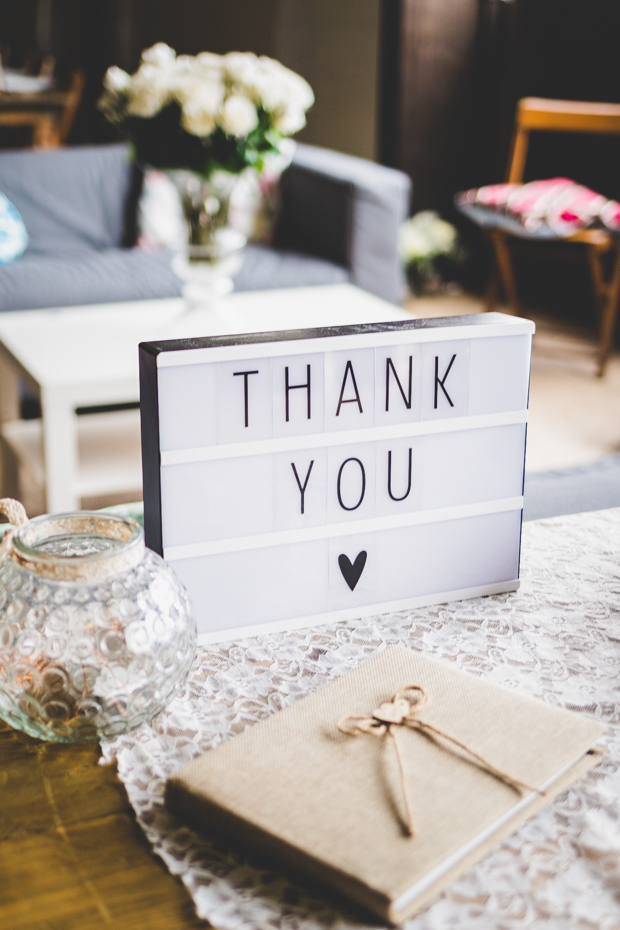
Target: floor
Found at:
x=574, y=416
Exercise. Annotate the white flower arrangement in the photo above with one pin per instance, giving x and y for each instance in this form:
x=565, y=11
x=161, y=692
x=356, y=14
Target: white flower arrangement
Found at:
x=424, y=241
x=426, y=235
x=206, y=112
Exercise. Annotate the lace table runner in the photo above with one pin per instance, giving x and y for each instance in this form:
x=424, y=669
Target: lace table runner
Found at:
x=558, y=638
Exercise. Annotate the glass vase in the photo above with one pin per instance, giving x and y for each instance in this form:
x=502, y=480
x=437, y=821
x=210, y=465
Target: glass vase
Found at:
x=214, y=251
x=96, y=632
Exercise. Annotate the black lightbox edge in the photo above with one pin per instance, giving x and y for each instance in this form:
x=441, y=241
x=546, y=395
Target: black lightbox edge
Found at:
x=151, y=458
x=354, y=329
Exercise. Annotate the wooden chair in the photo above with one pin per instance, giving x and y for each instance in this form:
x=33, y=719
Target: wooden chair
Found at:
x=49, y=114
x=535, y=114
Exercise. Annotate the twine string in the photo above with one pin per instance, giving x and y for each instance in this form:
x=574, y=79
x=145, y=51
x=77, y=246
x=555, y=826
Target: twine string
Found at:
x=403, y=782
x=16, y=515
x=401, y=712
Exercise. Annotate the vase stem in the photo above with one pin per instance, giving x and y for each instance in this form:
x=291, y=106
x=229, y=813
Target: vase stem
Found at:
x=214, y=250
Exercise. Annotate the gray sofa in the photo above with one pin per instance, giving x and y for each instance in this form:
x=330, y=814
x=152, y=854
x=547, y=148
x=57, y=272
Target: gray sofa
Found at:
x=339, y=222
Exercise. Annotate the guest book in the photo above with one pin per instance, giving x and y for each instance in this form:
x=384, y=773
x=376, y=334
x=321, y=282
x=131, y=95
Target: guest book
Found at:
x=332, y=805
x=300, y=477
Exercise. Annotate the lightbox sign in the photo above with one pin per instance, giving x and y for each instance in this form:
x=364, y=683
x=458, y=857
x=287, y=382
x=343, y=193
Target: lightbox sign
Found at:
x=292, y=478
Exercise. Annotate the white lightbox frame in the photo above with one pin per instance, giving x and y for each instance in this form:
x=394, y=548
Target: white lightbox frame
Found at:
x=491, y=521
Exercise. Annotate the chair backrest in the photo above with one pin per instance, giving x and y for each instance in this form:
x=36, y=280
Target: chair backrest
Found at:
x=74, y=97
x=536, y=114
x=50, y=114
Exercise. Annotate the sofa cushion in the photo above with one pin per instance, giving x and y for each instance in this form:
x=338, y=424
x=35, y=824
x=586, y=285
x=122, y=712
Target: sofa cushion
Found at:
x=265, y=267
x=95, y=277
x=13, y=235
x=127, y=274
x=557, y=207
x=72, y=200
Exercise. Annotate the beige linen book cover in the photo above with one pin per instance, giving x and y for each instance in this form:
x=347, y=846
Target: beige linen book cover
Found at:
x=330, y=806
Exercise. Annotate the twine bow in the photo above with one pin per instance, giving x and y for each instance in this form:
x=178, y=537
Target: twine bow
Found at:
x=401, y=712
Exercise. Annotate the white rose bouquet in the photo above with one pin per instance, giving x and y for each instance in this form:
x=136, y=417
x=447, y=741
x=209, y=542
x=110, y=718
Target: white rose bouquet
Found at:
x=206, y=112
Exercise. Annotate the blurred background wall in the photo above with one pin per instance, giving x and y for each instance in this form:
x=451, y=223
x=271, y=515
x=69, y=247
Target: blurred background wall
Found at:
x=333, y=43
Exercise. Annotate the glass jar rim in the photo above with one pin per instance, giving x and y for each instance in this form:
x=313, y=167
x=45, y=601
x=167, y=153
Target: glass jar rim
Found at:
x=127, y=532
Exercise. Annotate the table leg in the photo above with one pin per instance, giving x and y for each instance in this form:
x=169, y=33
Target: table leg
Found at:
x=60, y=449
x=9, y=391
x=9, y=410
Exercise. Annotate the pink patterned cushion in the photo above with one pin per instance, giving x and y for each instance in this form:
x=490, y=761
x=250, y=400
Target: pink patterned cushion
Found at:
x=558, y=203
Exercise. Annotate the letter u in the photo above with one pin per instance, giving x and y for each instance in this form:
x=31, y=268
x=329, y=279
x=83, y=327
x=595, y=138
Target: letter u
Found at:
x=389, y=481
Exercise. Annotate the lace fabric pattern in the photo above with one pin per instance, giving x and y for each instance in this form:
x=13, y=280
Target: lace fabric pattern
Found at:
x=557, y=638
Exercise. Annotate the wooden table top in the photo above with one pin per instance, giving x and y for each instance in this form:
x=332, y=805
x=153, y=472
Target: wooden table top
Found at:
x=72, y=856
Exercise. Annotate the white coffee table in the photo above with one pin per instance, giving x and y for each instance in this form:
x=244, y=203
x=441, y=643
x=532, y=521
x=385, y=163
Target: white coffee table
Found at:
x=88, y=356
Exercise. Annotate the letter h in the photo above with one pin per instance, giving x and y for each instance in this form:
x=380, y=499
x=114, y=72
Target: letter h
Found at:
x=293, y=387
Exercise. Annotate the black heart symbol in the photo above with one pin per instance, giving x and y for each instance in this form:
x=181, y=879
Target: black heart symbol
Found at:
x=352, y=573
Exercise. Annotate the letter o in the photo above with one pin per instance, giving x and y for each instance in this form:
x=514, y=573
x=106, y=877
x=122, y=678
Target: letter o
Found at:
x=344, y=506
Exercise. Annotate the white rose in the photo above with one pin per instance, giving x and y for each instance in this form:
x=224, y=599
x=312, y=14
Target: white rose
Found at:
x=185, y=64
x=116, y=80
x=413, y=243
x=210, y=60
x=238, y=116
x=149, y=91
x=289, y=121
x=299, y=91
x=270, y=91
x=427, y=235
x=196, y=120
x=443, y=235
x=241, y=67
x=200, y=92
x=159, y=54
x=279, y=86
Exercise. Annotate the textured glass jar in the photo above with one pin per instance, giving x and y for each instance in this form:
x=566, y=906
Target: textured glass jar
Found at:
x=96, y=632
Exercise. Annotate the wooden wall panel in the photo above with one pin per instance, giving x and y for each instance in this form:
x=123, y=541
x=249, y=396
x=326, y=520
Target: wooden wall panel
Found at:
x=334, y=45
x=433, y=42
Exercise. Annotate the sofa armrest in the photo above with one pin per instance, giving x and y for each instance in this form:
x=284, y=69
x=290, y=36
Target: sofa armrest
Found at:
x=347, y=210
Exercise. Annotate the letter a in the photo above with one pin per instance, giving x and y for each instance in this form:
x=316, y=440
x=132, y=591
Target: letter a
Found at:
x=350, y=400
